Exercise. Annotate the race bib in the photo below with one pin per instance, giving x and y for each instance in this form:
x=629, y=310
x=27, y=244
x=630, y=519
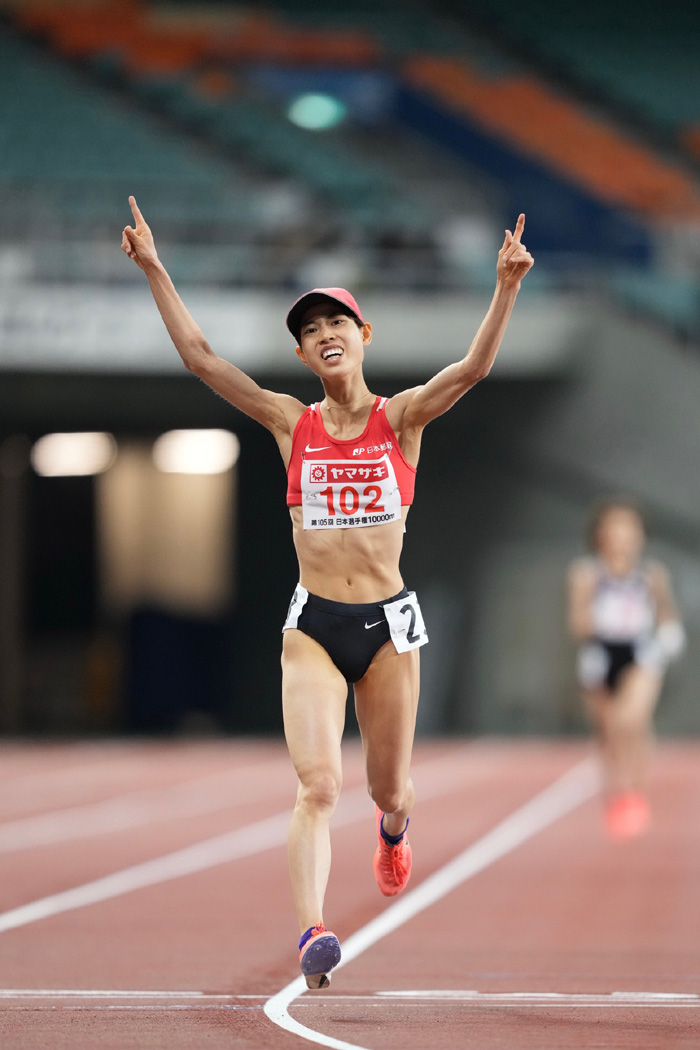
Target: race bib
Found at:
x=406, y=623
x=340, y=494
x=622, y=613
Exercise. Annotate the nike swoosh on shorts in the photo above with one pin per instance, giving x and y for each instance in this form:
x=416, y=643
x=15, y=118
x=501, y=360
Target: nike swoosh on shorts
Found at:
x=368, y=625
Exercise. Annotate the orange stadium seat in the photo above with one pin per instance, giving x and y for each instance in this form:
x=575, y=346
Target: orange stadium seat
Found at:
x=348, y=49
x=257, y=37
x=165, y=51
x=265, y=40
x=78, y=30
x=215, y=84
x=45, y=14
x=41, y=17
x=80, y=35
x=578, y=145
x=691, y=140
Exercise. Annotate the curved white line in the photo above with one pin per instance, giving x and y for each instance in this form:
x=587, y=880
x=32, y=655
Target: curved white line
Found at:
x=564, y=795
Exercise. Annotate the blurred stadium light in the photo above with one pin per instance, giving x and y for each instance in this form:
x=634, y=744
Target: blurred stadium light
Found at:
x=66, y=455
x=196, y=451
x=316, y=112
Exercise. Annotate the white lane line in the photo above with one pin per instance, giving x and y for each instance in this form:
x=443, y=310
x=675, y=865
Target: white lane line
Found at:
x=611, y=999
x=415, y=995
x=29, y=790
x=560, y=798
x=118, y=993
x=181, y=1007
x=103, y=768
x=221, y=849
x=137, y=808
x=254, y=838
x=94, y=999
x=88, y=768
x=152, y=1008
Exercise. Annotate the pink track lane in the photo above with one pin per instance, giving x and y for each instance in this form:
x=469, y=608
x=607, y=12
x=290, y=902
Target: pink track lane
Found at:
x=566, y=912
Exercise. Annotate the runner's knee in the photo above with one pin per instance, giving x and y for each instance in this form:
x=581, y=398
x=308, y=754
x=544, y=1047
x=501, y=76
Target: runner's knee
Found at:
x=319, y=789
x=634, y=723
x=389, y=797
x=629, y=715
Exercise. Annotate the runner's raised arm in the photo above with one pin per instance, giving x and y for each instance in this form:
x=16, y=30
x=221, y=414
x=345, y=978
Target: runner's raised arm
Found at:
x=416, y=407
x=278, y=412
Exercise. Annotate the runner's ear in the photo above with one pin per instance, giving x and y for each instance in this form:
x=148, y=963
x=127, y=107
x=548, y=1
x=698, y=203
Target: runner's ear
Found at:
x=300, y=353
x=366, y=333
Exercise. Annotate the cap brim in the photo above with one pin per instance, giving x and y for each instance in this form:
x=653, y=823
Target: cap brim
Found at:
x=295, y=315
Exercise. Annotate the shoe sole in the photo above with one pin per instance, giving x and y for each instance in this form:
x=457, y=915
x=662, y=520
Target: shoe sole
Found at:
x=320, y=980
x=318, y=959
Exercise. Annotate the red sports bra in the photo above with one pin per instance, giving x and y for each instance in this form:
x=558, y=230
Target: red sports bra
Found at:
x=348, y=484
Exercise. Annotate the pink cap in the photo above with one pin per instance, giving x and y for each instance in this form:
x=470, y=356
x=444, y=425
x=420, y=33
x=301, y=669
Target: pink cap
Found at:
x=319, y=295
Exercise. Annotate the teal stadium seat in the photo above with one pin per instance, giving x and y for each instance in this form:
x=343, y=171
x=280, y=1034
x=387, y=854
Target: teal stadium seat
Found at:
x=68, y=151
x=244, y=124
x=672, y=299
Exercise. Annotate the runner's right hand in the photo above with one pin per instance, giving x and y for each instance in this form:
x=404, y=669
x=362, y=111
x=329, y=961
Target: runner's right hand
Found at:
x=514, y=260
x=138, y=242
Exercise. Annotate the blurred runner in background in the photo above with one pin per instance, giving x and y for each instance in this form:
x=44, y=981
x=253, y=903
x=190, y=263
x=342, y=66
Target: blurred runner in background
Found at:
x=622, y=611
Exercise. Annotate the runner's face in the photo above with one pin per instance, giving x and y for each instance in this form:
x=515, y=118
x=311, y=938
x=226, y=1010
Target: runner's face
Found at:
x=620, y=534
x=331, y=341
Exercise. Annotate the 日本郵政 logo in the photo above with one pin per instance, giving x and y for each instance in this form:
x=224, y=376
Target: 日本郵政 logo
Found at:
x=318, y=472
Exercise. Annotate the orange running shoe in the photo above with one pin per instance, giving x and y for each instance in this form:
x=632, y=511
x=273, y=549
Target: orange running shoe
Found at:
x=627, y=815
x=319, y=952
x=392, y=864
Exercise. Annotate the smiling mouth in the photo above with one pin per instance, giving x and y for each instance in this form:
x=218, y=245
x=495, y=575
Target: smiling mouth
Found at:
x=331, y=352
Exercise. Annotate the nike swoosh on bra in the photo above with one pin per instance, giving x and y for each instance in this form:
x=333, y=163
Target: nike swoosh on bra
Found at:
x=320, y=449
x=368, y=625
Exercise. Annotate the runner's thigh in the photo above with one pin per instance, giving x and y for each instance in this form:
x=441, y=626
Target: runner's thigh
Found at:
x=386, y=701
x=314, y=694
x=638, y=694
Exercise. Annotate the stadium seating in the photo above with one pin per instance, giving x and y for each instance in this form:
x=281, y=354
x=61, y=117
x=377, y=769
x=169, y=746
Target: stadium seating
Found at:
x=163, y=61
x=642, y=56
x=582, y=147
x=671, y=299
x=72, y=155
x=581, y=178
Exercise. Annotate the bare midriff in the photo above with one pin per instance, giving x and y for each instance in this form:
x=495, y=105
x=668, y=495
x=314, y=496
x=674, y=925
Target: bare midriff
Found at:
x=350, y=565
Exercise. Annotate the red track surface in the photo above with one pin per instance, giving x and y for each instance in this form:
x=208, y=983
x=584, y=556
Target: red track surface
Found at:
x=566, y=912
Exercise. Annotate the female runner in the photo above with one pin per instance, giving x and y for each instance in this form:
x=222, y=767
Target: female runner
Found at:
x=621, y=609
x=351, y=461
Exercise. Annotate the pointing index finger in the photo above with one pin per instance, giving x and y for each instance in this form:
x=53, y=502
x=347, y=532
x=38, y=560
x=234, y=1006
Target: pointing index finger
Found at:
x=519, y=227
x=135, y=211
